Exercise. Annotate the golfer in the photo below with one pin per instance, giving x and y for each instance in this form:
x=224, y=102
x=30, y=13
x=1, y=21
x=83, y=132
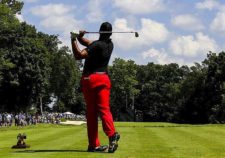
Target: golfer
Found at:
x=96, y=86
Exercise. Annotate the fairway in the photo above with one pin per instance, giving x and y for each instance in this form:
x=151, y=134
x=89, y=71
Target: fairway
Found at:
x=138, y=140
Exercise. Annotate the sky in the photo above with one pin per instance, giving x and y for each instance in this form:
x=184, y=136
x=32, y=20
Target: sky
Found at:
x=170, y=31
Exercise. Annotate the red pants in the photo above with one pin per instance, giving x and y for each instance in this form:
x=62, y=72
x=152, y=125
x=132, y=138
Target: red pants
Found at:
x=96, y=91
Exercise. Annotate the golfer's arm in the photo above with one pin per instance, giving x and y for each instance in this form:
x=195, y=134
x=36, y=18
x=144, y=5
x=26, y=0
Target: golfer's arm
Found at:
x=84, y=41
x=78, y=54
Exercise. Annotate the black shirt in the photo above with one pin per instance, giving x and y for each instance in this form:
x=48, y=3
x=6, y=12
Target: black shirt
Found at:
x=99, y=53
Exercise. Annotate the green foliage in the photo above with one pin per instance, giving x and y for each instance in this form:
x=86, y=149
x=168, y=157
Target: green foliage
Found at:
x=192, y=108
x=215, y=86
x=59, y=107
x=32, y=66
x=64, y=80
x=25, y=81
x=124, y=85
x=160, y=87
x=14, y=5
x=169, y=92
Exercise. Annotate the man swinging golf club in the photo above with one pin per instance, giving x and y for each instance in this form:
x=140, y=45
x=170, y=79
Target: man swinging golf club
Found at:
x=95, y=85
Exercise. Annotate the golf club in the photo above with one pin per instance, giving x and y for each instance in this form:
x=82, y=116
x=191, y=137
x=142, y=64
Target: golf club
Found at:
x=135, y=33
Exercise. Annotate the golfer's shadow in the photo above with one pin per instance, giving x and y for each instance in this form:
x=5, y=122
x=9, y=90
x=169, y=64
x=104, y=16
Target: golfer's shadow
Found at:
x=48, y=151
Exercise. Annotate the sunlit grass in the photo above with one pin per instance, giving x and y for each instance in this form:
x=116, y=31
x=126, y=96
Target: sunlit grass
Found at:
x=138, y=140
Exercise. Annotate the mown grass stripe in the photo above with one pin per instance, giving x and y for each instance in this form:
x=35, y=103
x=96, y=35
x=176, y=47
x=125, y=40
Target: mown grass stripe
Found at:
x=192, y=141
x=213, y=143
x=153, y=144
x=138, y=140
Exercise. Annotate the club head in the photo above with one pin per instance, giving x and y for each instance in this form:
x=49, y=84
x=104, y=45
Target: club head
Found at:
x=136, y=34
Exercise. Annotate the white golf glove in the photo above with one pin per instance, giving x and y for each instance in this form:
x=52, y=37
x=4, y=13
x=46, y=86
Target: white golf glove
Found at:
x=73, y=35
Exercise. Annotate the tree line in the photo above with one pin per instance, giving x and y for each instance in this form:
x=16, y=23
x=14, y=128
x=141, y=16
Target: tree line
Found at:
x=170, y=92
x=34, y=71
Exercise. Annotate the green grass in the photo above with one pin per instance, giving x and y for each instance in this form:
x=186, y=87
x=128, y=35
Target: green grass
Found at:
x=138, y=140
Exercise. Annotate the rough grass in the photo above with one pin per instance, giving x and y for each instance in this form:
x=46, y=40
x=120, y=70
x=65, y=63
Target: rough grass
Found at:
x=138, y=140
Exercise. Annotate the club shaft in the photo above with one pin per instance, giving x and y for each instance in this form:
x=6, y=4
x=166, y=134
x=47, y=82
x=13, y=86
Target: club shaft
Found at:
x=112, y=32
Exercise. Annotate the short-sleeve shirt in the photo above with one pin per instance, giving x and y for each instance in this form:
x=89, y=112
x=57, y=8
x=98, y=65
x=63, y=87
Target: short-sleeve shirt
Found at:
x=99, y=53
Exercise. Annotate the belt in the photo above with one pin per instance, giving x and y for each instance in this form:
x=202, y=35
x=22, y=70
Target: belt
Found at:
x=86, y=75
x=89, y=73
x=99, y=72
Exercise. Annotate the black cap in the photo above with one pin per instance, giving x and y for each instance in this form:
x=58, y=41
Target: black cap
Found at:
x=106, y=26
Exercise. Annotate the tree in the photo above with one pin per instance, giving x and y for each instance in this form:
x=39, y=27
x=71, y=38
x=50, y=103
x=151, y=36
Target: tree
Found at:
x=26, y=81
x=193, y=108
x=160, y=91
x=65, y=80
x=124, y=85
x=8, y=25
x=14, y=5
x=215, y=89
x=33, y=68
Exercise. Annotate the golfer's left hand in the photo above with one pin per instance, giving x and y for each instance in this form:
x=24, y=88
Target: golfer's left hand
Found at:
x=73, y=35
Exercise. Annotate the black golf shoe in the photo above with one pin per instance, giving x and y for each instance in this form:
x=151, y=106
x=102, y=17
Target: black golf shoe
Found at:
x=113, y=142
x=101, y=148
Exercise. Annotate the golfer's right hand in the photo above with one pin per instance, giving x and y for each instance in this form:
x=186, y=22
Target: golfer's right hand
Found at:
x=81, y=33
